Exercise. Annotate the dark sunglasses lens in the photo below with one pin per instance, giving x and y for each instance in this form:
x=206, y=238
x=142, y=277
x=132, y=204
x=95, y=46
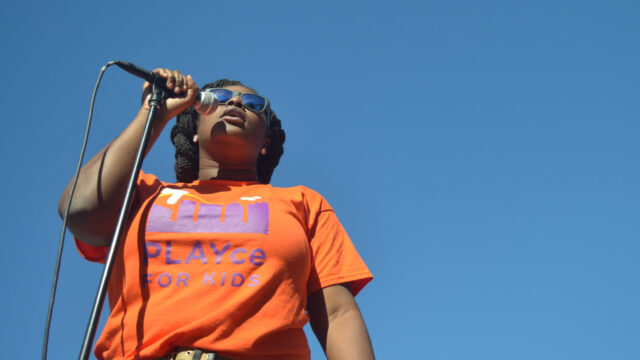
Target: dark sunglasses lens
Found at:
x=223, y=95
x=254, y=102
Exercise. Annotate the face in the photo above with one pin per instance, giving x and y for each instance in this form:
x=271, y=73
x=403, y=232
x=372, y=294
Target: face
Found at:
x=232, y=134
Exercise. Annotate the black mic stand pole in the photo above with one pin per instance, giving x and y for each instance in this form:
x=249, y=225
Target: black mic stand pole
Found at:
x=157, y=96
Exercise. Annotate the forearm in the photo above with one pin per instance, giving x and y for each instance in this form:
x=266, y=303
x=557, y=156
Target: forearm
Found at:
x=102, y=183
x=347, y=337
x=338, y=324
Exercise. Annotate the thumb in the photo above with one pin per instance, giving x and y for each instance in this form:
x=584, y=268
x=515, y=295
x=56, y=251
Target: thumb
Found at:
x=146, y=94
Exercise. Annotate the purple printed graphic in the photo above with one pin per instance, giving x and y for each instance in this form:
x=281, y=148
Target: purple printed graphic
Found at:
x=208, y=218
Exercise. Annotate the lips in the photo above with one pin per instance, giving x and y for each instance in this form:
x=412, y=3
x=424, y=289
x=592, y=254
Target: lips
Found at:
x=233, y=116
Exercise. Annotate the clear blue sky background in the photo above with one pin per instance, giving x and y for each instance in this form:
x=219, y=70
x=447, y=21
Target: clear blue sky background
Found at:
x=483, y=156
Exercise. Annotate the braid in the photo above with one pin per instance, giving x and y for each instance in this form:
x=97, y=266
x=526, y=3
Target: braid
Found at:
x=186, y=166
x=267, y=163
x=187, y=151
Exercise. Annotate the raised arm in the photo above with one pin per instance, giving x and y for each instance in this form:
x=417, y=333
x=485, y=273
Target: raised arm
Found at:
x=103, y=179
x=338, y=324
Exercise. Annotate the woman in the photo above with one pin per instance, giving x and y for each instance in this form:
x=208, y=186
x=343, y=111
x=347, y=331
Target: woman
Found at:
x=220, y=262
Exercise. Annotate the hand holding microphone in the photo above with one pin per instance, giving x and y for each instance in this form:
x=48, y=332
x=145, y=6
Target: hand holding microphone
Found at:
x=183, y=89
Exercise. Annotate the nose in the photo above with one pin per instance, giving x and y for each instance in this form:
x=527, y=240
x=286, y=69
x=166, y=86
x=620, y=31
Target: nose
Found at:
x=236, y=100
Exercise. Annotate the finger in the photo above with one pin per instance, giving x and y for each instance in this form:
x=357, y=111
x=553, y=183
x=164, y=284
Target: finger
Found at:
x=146, y=91
x=171, y=79
x=179, y=81
x=192, y=88
x=168, y=76
x=162, y=72
x=185, y=85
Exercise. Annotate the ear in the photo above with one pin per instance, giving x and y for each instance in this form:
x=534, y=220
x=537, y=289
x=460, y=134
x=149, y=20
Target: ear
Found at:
x=195, y=138
x=263, y=151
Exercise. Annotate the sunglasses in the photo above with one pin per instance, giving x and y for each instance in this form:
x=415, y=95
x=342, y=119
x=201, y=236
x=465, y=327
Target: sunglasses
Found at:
x=251, y=101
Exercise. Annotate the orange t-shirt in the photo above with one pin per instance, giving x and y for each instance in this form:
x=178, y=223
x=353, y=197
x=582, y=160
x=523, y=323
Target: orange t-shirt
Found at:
x=224, y=266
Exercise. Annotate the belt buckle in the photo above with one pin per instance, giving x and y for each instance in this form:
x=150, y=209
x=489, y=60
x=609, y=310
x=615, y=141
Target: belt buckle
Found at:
x=192, y=354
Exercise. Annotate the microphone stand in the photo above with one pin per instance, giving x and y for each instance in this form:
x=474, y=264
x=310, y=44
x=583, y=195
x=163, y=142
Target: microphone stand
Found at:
x=157, y=97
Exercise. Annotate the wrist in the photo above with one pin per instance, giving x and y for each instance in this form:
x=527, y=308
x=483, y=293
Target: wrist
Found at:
x=161, y=119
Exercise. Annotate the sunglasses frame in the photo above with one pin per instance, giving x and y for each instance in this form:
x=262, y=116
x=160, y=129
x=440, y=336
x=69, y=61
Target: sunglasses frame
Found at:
x=267, y=105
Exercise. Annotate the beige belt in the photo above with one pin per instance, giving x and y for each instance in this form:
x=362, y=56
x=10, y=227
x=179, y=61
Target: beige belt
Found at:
x=195, y=354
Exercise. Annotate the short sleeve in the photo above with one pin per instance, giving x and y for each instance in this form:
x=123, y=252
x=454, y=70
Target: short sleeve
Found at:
x=334, y=259
x=90, y=252
x=147, y=185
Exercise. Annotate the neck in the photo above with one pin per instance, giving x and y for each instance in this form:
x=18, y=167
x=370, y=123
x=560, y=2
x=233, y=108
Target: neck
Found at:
x=210, y=170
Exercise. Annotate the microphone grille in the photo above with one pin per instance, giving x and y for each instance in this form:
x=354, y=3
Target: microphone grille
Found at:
x=206, y=103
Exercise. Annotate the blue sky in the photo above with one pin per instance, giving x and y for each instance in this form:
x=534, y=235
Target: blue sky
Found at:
x=483, y=156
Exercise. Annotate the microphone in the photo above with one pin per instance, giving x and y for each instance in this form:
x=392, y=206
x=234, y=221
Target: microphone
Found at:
x=205, y=104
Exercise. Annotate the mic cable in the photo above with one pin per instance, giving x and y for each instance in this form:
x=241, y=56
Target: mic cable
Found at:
x=56, y=271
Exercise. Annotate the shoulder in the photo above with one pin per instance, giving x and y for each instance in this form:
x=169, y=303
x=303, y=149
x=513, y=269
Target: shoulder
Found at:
x=312, y=200
x=148, y=184
x=295, y=189
x=299, y=190
x=149, y=179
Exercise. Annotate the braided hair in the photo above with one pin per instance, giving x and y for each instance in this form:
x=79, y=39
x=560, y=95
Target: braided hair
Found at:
x=187, y=151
